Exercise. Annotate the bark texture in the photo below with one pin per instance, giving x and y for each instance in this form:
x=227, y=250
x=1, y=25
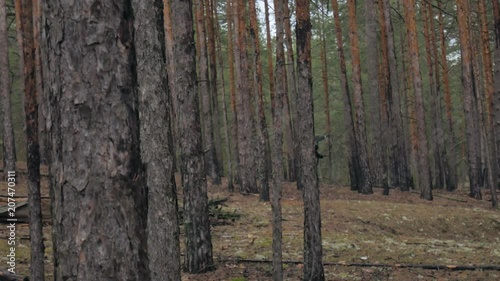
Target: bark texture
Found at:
x=496, y=78
x=9, y=145
x=37, y=248
x=157, y=152
x=313, y=251
x=422, y=150
x=198, y=252
x=98, y=193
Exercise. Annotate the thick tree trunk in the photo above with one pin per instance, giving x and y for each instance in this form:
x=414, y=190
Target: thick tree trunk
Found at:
x=365, y=178
x=263, y=157
x=198, y=251
x=243, y=105
x=211, y=165
x=277, y=150
x=469, y=100
x=313, y=251
x=353, y=158
x=98, y=193
x=496, y=78
x=157, y=152
x=422, y=150
x=37, y=248
x=451, y=169
x=9, y=145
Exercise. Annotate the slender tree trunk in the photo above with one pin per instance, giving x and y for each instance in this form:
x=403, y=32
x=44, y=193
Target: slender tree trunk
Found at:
x=211, y=164
x=225, y=122
x=198, y=251
x=496, y=78
x=291, y=103
x=451, y=169
x=212, y=65
x=277, y=110
x=353, y=157
x=269, y=52
x=98, y=192
x=324, y=78
x=365, y=178
x=372, y=61
x=422, y=150
x=469, y=97
x=33, y=147
x=231, y=13
x=313, y=251
x=263, y=157
x=157, y=152
x=9, y=145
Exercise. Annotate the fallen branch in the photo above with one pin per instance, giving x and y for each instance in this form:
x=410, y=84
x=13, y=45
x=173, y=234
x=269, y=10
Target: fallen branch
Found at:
x=421, y=266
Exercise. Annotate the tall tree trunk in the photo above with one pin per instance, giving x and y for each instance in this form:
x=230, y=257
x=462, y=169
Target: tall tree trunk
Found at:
x=263, y=157
x=98, y=192
x=353, y=157
x=422, y=150
x=451, y=169
x=225, y=122
x=489, y=88
x=243, y=104
x=290, y=109
x=9, y=144
x=402, y=175
x=157, y=152
x=269, y=52
x=198, y=250
x=372, y=62
x=210, y=10
x=231, y=13
x=277, y=150
x=469, y=97
x=496, y=78
x=365, y=178
x=42, y=130
x=33, y=148
x=313, y=251
x=324, y=78
x=211, y=165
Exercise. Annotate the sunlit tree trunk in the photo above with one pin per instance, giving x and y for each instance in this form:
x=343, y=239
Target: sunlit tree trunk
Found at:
x=351, y=140
x=9, y=145
x=422, y=150
x=472, y=132
x=365, y=178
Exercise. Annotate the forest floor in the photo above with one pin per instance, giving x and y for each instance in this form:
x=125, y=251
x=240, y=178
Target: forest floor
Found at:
x=394, y=230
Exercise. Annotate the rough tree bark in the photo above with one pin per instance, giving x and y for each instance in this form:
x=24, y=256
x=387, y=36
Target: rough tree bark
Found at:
x=37, y=248
x=365, y=178
x=422, y=150
x=243, y=105
x=471, y=129
x=198, y=251
x=313, y=251
x=211, y=164
x=496, y=78
x=353, y=158
x=9, y=145
x=263, y=155
x=451, y=169
x=98, y=193
x=277, y=149
x=157, y=152
x=230, y=14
